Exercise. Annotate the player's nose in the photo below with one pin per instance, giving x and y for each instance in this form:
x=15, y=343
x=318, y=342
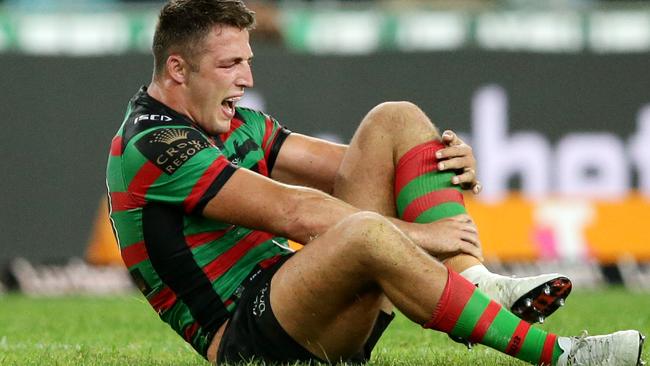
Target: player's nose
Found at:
x=245, y=79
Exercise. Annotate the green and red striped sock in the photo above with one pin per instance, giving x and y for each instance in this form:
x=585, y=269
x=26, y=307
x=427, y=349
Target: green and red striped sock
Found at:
x=422, y=193
x=464, y=311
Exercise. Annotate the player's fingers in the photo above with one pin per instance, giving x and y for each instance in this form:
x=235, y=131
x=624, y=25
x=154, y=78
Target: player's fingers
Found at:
x=471, y=237
x=472, y=250
x=470, y=234
x=454, y=151
x=477, y=187
x=470, y=227
x=450, y=138
x=458, y=163
x=463, y=218
x=464, y=223
x=467, y=179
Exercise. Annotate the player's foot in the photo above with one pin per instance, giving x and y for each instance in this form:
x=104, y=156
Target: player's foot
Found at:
x=617, y=349
x=532, y=299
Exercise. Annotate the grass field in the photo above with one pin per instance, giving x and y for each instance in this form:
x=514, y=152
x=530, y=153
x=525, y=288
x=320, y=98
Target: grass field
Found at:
x=125, y=331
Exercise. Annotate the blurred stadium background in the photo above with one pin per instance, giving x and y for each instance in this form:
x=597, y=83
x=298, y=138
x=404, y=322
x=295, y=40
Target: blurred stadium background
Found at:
x=554, y=96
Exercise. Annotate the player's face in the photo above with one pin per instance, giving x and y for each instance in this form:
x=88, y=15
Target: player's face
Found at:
x=224, y=72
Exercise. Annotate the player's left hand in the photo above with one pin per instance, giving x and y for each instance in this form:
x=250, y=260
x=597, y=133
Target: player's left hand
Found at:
x=458, y=156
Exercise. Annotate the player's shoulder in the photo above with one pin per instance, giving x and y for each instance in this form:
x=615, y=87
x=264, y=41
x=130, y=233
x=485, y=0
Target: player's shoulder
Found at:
x=159, y=133
x=146, y=114
x=250, y=116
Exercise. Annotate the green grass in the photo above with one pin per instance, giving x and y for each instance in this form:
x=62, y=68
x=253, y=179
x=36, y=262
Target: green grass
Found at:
x=125, y=331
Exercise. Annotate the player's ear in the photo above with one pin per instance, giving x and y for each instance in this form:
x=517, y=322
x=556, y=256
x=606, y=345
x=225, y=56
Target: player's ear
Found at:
x=177, y=68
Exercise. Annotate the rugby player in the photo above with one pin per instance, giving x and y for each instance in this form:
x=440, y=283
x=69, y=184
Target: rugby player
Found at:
x=204, y=196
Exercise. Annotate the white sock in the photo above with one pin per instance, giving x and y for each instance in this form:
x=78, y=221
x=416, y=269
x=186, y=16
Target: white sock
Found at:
x=475, y=273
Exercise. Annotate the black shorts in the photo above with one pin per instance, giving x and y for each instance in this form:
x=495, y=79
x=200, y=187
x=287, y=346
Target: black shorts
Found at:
x=254, y=334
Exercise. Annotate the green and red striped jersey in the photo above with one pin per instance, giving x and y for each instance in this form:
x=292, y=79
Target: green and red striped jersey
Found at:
x=162, y=170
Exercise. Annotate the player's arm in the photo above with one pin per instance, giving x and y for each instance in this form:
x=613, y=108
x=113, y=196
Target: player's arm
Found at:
x=308, y=161
x=178, y=166
x=301, y=214
x=313, y=162
x=254, y=201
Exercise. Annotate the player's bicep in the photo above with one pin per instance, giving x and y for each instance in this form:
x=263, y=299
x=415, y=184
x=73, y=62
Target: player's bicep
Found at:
x=308, y=161
x=251, y=200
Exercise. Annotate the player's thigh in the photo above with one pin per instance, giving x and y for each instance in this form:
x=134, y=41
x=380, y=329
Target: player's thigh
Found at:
x=324, y=296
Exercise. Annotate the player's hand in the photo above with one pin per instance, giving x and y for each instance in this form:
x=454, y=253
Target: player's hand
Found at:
x=452, y=236
x=458, y=156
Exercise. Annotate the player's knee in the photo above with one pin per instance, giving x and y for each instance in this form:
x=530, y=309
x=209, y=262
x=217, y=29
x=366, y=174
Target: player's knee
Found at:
x=395, y=106
x=401, y=116
x=366, y=232
x=394, y=109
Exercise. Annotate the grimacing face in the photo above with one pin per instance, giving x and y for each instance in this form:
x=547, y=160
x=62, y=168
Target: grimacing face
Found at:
x=223, y=74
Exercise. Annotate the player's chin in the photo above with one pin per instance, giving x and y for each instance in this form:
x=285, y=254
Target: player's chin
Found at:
x=225, y=125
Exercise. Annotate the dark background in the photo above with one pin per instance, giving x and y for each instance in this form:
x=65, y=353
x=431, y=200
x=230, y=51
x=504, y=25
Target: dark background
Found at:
x=60, y=113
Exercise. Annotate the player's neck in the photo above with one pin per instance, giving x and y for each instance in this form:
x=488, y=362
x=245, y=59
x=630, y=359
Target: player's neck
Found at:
x=168, y=95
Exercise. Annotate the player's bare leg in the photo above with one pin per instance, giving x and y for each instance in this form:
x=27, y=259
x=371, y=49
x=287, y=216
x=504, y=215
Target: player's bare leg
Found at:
x=367, y=172
x=367, y=180
x=326, y=296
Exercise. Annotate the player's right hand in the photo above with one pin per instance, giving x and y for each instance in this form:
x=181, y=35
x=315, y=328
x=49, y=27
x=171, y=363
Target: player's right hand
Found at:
x=452, y=236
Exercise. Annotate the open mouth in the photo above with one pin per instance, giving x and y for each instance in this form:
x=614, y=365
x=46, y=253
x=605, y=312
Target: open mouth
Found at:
x=228, y=106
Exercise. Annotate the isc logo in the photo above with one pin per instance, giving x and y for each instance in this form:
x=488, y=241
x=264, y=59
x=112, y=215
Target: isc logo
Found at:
x=152, y=117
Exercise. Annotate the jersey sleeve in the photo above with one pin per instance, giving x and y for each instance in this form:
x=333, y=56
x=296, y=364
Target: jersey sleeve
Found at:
x=269, y=133
x=177, y=166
